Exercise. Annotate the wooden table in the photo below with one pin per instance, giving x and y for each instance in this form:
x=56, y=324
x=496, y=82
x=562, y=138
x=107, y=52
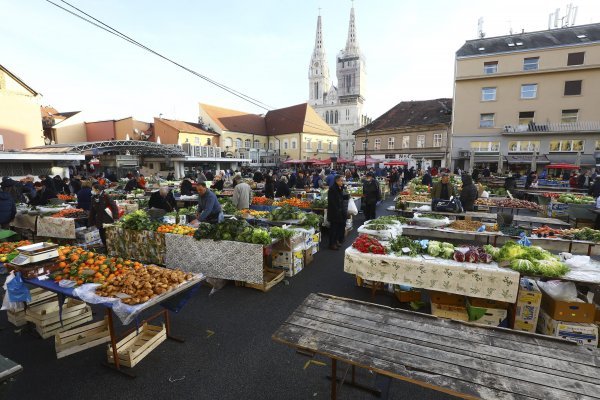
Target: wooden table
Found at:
x=462, y=359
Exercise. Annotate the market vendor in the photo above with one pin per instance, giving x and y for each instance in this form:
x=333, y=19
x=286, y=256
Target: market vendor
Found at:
x=209, y=209
x=442, y=190
x=162, y=199
x=469, y=193
x=218, y=182
x=103, y=210
x=186, y=187
x=43, y=193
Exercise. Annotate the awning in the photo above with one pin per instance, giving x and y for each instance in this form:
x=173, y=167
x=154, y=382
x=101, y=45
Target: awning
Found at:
x=487, y=158
x=586, y=159
x=395, y=162
x=526, y=159
x=562, y=166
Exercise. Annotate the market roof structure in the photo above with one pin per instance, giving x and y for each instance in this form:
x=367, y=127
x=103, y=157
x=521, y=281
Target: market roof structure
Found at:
x=133, y=146
x=570, y=36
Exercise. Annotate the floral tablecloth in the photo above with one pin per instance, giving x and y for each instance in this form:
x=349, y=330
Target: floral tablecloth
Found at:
x=486, y=281
x=24, y=221
x=147, y=247
x=216, y=259
x=62, y=228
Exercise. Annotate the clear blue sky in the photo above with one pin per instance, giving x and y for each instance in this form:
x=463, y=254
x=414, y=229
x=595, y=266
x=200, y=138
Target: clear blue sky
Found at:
x=260, y=47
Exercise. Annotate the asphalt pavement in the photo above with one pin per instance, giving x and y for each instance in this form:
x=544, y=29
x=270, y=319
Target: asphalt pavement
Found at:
x=228, y=352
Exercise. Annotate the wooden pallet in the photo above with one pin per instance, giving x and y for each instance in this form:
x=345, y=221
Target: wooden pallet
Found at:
x=134, y=347
x=271, y=277
x=81, y=338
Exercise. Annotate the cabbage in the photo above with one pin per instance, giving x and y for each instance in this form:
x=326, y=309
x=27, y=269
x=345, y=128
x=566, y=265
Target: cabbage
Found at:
x=446, y=245
x=523, y=266
x=472, y=256
x=433, y=251
x=512, y=251
x=447, y=252
x=550, y=268
x=435, y=243
x=489, y=249
x=459, y=256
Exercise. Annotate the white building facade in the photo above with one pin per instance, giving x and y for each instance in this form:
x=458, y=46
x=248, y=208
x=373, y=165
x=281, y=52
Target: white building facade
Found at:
x=341, y=106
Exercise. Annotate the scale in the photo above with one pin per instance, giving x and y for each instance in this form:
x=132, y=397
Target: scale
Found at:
x=35, y=253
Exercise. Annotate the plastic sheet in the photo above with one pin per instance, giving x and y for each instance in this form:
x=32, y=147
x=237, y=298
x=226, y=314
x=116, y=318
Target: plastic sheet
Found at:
x=560, y=290
x=387, y=234
x=430, y=222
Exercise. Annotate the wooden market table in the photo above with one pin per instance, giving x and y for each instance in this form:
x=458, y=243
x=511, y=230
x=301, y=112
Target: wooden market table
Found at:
x=462, y=359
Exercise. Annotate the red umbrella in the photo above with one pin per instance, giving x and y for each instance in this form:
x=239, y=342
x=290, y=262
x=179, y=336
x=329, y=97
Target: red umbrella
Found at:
x=562, y=166
x=341, y=160
x=327, y=161
x=313, y=161
x=294, y=162
x=361, y=163
x=395, y=162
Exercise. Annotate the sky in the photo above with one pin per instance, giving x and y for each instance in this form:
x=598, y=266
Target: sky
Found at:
x=261, y=48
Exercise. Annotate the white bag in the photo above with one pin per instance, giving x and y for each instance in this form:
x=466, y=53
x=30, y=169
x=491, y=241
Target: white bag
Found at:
x=352, y=210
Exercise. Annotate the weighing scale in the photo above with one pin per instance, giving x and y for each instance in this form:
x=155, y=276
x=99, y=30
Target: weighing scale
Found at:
x=35, y=253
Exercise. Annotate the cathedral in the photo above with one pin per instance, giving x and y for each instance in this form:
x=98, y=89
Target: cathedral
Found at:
x=341, y=106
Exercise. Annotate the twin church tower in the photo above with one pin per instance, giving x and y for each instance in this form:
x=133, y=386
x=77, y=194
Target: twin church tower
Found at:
x=340, y=106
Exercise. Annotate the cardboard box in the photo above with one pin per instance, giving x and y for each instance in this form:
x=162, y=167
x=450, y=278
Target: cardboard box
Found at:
x=308, y=257
x=527, y=307
x=292, y=262
x=87, y=235
x=290, y=244
x=487, y=315
x=451, y=312
x=315, y=249
x=406, y=296
x=568, y=311
x=316, y=238
x=597, y=317
x=582, y=333
x=448, y=299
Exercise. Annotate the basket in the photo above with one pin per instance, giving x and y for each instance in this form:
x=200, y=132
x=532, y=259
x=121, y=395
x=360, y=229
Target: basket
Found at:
x=134, y=347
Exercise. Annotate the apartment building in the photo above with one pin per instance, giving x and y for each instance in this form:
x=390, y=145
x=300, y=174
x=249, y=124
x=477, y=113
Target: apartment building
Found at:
x=528, y=95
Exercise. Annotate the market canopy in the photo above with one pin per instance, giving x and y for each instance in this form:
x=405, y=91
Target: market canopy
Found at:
x=395, y=162
x=368, y=161
x=562, y=166
x=133, y=146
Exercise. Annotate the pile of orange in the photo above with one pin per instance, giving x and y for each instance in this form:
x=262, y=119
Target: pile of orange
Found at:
x=176, y=229
x=82, y=266
x=262, y=201
x=7, y=247
x=65, y=197
x=294, y=202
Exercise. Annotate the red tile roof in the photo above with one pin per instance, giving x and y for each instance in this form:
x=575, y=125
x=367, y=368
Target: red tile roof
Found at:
x=235, y=121
x=188, y=127
x=300, y=118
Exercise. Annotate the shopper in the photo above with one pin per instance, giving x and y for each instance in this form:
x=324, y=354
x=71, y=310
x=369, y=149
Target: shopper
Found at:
x=283, y=190
x=242, y=194
x=13, y=188
x=595, y=188
x=186, y=187
x=371, y=195
x=84, y=196
x=103, y=210
x=209, y=208
x=162, y=199
x=426, y=179
x=443, y=189
x=217, y=183
x=301, y=181
x=469, y=193
x=531, y=177
x=316, y=180
x=43, y=193
x=8, y=210
x=133, y=184
x=269, y=187
x=336, y=213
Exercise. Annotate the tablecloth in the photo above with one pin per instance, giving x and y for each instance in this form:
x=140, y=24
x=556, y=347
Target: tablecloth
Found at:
x=222, y=259
x=63, y=228
x=486, y=281
x=144, y=246
x=24, y=221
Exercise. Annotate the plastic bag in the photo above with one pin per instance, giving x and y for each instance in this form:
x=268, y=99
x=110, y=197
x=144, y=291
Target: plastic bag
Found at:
x=578, y=261
x=16, y=289
x=352, y=210
x=559, y=290
x=430, y=222
x=8, y=305
x=485, y=194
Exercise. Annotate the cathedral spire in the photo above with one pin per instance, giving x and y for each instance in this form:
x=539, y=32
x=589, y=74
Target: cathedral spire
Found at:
x=352, y=40
x=319, y=49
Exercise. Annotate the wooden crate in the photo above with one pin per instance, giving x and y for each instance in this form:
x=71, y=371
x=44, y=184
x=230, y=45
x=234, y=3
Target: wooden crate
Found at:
x=406, y=296
x=134, y=347
x=46, y=316
x=271, y=277
x=39, y=295
x=17, y=318
x=81, y=338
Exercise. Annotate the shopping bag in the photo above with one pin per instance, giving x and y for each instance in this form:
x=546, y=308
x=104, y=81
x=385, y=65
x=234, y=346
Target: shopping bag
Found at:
x=17, y=291
x=352, y=210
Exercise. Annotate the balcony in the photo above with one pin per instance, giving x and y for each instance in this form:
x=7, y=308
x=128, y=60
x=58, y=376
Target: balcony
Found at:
x=551, y=127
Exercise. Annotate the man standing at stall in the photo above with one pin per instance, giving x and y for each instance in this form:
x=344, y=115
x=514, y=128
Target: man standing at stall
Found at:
x=209, y=209
x=442, y=190
x=103, y=210
x=242, y=194
x=337, y=213
x=371, y=195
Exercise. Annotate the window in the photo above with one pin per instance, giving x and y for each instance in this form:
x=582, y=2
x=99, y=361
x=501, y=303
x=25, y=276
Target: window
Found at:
x=364, y=144
x=256, y=144
x=238, y=143
x=228, y=142
x=405, y=142
x=526, y=117
x=293, y=143
x=569, y=116
x=391, y=143
x=320, y=145
x=316, y=88
x=330, y=145
x=420, y=141
x=531, y=63
x=566, y=145
x=196, y=140
x=327, y=116
x=572, y=88
x=377, y=144
x=485, y=146
x=488, y=94
x=247, y=143
x=271, y=145
x=524, y=146
x=285, y=144
x=308, y=145
x=336, y=117
x=597, y=145
x=529, y=91
x=490, y=67
x=576, y=58
x=486, y=121
x=437, y=140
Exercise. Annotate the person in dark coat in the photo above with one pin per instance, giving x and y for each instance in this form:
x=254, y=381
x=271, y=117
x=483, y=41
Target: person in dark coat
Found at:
x=469, y=193
x=371, y=195
x=44, y=192
x=301, y=181
x=595, y=188
x=486, y=172
x=217, y=183
x=13, y=188
x=186, y=188
x=475, y=175
x=48, y=182
x=337, y=213
x=99, y=215
x=162, y=199
x=510, y=183
x=84, y=196
x=8, y=210
x=529, y=180
x=427, y=180
x=257, y=177
x=283, y=190
x=269, y=187
x=133, y=184
x=75, y=185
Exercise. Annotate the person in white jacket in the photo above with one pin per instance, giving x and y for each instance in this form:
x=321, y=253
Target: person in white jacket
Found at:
x=242, y=193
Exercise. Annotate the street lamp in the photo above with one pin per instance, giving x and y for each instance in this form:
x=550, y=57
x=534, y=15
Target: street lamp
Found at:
x=365, y=145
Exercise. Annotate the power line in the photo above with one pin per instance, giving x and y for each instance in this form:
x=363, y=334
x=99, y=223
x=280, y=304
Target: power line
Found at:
x=107, y=28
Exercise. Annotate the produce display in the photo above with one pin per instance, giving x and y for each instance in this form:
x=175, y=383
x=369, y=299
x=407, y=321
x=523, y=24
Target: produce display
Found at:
x=286, y=213
x=471, y=226
x=440, y=249
x=319, y=203
x=367, y=244
x=311, y=220
x=141, y=284
x=472, y=254
x=227, y=207
x=399, y=244
x=66, y=197
x=8, y=250
x=294, y=202
x=138, y=221
x=511, y=230
x=82, y=266
x=589, y=234
x=176, y=229
x=515, y=203
x=254, y=235
x=546, y=231
x=70, y=213
x=569, y=198
x=485, y=202
x=254, y=213
x=532, y=260
x=262, y=201
x=233, y=229
x=281, y=233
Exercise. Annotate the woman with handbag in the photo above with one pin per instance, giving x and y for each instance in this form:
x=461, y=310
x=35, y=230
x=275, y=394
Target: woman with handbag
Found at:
x=103, y=210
